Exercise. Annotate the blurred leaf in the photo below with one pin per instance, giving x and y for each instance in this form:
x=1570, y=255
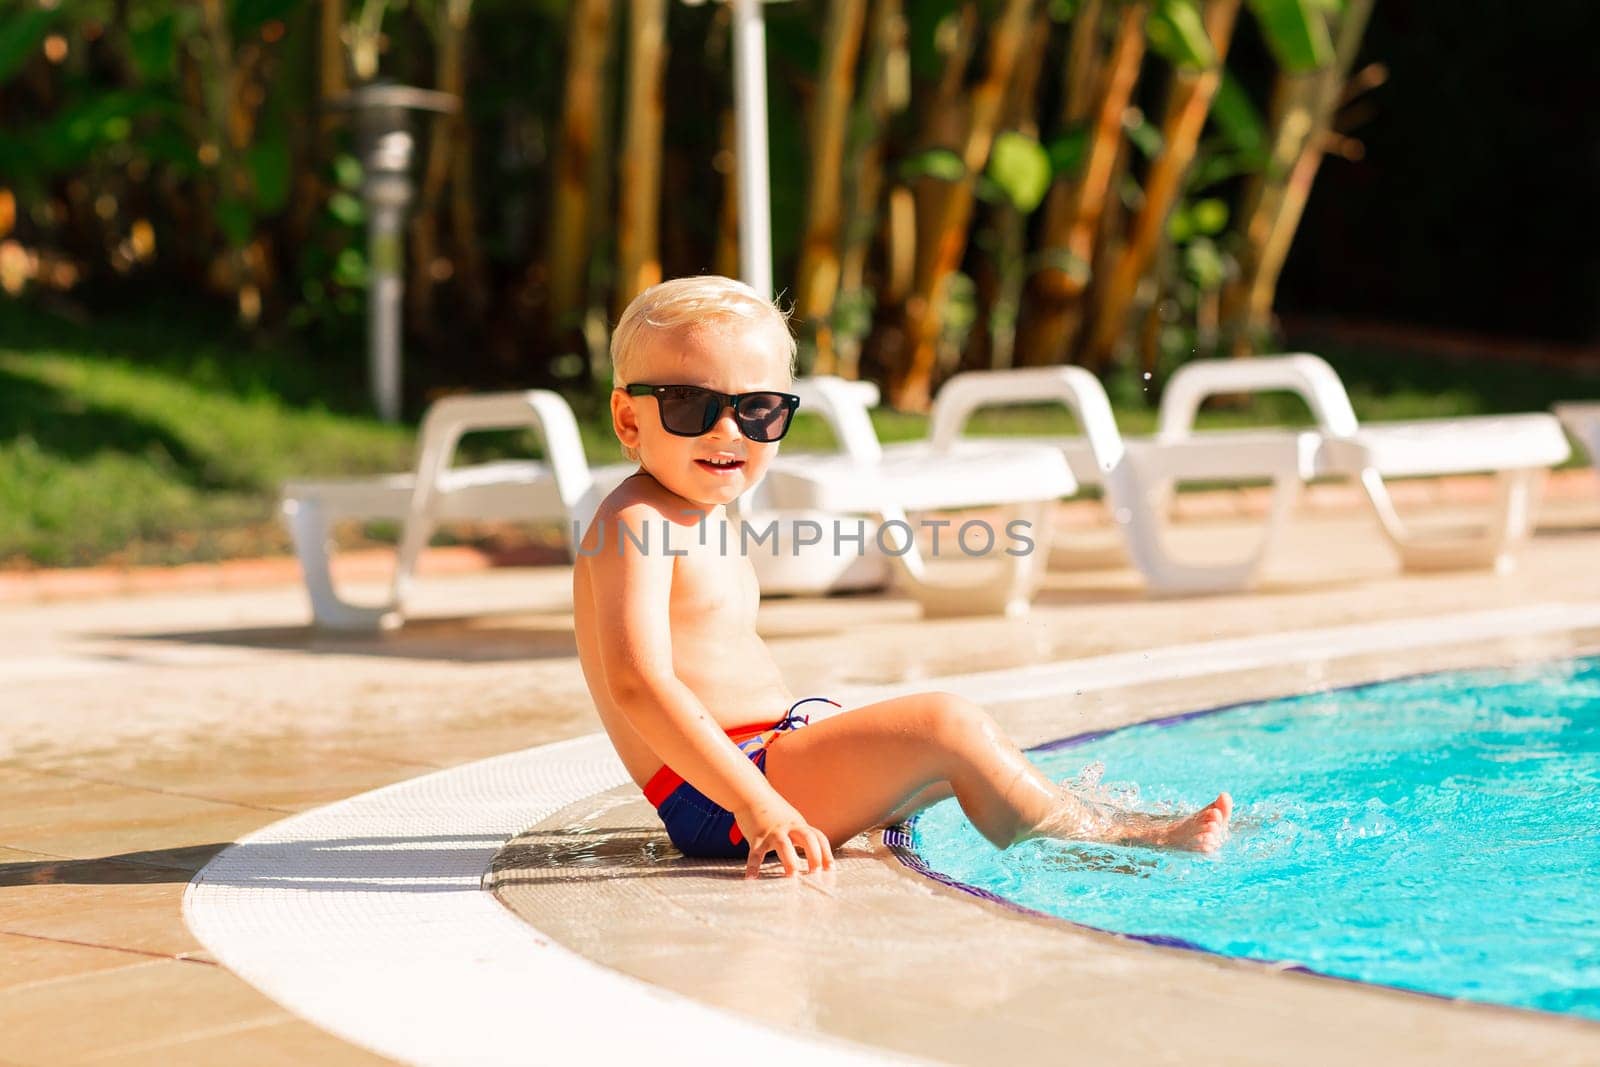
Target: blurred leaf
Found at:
x=1236, y=116
x=1209, y=216
x=1075, y=267
x=1178, y=33
x=1020, y=166
x=940, y=163
x=1296, y=32
x=1067, y=150
x=269, y=163
x=350, y=269
x=960, y=308
x=235, y=221
x=1063, y=10
x=1180, y=227
x=70, y=137
x=923, y=22
x=347, y=171
x=1141, y=134
x=1203, y=264
x=346, y=208
x=154, y=48
x=248, y=16
x=169, y=145
x=20, y=36
x=1213, y=167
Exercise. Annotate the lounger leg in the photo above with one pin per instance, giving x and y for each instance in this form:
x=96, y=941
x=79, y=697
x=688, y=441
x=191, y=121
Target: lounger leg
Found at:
x=1139, y=506
x=1006, y=585
x=1488, y=545
x=308, y=529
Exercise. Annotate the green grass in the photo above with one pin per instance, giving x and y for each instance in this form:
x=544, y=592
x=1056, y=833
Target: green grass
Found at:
x=159, y=435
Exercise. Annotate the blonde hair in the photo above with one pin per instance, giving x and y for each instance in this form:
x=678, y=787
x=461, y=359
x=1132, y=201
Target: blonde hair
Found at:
x=688, y=303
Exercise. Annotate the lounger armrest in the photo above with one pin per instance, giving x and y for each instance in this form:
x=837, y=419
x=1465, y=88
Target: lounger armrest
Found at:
x=1075, y=388
x=545, y=412
x=1308, y=376
x=846, y=406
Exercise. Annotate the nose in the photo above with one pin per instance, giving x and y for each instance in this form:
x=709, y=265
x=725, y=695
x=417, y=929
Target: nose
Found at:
x=726, y=425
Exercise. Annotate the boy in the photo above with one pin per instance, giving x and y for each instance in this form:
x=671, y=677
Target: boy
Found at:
x=665, y=611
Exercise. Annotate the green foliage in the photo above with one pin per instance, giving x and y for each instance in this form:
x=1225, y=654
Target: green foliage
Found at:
x=153, y=45
x=1296, y=31
x=1067, y=150
x=161, y=436
x=247, y=16
x=1207, y=218
x=1141, y=133
x=20, y=37
x=1177, y=32
x=1020, y=166
x=941, y=164
x=1237, y=117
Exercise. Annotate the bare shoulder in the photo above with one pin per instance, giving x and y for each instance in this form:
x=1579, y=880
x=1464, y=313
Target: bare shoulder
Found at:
x=635, y=502
x=626, y=522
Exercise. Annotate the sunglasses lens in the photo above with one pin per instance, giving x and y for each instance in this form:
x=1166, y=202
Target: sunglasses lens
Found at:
x=763, y=417
x=687, y=410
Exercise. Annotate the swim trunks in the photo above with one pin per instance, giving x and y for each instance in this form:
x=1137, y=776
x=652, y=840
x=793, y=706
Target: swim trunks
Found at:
x=697, y=825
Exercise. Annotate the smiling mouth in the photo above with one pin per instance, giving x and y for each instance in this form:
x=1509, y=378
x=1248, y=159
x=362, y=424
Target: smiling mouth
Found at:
x=720, y=466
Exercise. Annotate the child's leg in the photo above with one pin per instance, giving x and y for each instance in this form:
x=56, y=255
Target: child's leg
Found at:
x=860, y=768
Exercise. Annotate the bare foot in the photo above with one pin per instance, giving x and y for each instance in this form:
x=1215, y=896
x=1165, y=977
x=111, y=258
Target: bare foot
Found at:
x=1203, y=831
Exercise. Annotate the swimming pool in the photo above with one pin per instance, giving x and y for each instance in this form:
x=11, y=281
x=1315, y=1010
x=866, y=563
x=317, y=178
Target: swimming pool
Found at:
x=1439, y=834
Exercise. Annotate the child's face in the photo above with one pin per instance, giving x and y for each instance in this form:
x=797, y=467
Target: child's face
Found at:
x=728, y=357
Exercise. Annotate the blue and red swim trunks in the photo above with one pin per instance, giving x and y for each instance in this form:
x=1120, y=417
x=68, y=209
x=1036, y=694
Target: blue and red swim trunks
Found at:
x=698, y=825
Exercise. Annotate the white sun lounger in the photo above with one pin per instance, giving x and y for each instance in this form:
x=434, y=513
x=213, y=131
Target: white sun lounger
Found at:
x=1582, y=420
x=885, y=484
x=1137, y=473
x=560, y=489
x=1517, y=449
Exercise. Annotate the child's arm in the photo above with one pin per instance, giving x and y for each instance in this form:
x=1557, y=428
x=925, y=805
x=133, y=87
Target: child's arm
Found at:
x=632, y=593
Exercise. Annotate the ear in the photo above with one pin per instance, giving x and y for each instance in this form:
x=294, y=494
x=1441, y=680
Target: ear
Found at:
x=624, y=421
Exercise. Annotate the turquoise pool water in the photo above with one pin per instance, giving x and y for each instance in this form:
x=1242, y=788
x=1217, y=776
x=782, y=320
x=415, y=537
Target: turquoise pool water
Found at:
x=1439, y=834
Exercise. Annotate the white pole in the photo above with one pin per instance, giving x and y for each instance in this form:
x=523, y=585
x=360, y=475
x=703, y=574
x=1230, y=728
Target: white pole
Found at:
x=750, y=112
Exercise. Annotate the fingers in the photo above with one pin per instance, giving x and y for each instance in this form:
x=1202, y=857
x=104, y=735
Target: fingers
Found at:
x=758, y=856
x=789, y=846
x=819, y=852
x=769, y=843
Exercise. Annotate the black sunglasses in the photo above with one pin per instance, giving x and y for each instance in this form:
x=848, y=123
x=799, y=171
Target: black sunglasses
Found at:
x=689, y=411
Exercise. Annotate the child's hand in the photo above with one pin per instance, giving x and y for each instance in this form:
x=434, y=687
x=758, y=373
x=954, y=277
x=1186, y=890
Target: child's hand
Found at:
x=778, y=827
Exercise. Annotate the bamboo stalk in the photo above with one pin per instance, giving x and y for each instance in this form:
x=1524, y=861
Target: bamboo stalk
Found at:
x=1302, y=111
x=818, y=283
x=451, y=78
x=885, y=92
x=588, y=39
x=726, y=256
x=913, y=387
x=1051, y=303
x=1188, y=104
x=471, y=263
x=638, y=216
x=1002, y=274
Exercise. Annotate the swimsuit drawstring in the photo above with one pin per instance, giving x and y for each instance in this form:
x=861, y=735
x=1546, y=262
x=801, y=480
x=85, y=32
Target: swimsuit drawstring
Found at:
x=790, y=719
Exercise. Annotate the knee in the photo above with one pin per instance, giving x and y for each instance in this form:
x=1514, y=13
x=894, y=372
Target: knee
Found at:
x=956, y=723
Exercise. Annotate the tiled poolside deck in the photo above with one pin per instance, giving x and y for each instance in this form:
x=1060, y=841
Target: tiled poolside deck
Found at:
x=146, y=731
